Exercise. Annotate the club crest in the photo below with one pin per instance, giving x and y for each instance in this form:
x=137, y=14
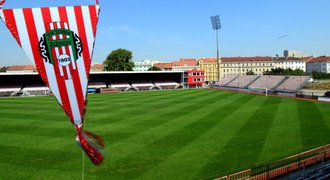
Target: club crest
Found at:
x=60, y=47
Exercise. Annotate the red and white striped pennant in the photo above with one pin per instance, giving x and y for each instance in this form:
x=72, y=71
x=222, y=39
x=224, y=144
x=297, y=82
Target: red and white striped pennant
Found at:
x=60, y=41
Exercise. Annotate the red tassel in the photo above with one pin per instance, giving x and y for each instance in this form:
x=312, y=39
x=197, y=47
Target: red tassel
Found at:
x=92, y=145
x=2, y=2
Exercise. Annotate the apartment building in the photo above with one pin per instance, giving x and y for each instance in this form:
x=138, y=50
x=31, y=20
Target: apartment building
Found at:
x=319, y=64
x=290, y=62
x=185, y=65
x=242, y=65
x=209, y=66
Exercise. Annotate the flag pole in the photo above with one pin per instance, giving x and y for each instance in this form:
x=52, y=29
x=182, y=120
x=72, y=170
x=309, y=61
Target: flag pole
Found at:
x=83, y=166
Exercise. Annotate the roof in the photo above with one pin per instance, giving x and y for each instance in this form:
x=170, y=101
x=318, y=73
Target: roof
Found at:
x=208, y=59
x=97, y=67
x=320, y=59
x=164, y=65
x=247, y=59
x=288, y=59
x=307, y=58
x=29, y=67
x=185, y=62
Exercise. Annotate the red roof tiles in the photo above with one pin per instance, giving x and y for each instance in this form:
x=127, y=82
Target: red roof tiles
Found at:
x=164, y=65
x=320, y=59
x=29, y=67
x=185, y=62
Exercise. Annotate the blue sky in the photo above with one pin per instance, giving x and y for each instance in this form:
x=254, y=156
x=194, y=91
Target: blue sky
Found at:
x=168, y=30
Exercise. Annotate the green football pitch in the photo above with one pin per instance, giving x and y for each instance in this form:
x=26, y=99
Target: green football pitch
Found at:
x=182, y=134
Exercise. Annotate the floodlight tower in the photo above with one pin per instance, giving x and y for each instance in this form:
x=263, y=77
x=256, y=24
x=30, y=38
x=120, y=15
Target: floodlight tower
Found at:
x=216, y=25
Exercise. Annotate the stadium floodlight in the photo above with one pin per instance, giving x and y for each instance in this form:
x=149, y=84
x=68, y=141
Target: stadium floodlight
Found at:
x=216, y=25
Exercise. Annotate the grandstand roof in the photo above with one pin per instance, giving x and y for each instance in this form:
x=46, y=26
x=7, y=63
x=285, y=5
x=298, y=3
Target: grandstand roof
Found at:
x=320, y=59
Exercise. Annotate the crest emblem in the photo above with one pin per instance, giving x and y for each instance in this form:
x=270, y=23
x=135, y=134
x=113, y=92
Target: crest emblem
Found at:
x=61, y=47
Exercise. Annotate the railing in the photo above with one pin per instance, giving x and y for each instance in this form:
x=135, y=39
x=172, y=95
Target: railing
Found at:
x=283, y=166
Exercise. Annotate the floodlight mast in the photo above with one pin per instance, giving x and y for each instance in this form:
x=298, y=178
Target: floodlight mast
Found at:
x=216, y=25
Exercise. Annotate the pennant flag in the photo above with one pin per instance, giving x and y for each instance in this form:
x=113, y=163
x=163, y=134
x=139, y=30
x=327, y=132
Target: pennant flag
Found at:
x=60, y=42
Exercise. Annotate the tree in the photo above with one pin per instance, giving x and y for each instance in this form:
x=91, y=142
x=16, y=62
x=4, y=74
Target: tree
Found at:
x=250, y=72
x=285, y=72
x=119, y=60
x=154, y=68
x=3, y=69
x=320, y=75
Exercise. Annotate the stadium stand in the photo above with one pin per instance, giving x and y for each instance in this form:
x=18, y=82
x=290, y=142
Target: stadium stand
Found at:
x=226, y=80
x=243, y=81
x=308, y=165
x=293, y=83
x=96, y=85
x=35, y=90
x=166, y=84
x=30, y=84
x=267, y=82
x=142, y=85
x=121, y=86
x=280, y=85
x=7, y=90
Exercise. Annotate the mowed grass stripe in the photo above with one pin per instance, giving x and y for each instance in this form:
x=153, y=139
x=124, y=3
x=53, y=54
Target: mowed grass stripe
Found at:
x=124, y=115
x=250, y=138
x=221, y=125
x=284, y=134
x=125, y=101
x=20, y=172
x=142, y=139
x=131, y=146
x=157, y=119
x=40, y=142
x=165, y=147
x=189, y=159
x=312, y=125
x=41, y=159
x=35, y=122
x=325, y=112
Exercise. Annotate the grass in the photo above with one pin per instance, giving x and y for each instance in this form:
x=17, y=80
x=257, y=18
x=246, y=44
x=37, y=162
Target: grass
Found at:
x=318, y=86
x=184, y=134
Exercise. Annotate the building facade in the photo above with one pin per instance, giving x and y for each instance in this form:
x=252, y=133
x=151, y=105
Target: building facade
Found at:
x=290, y=62
x=243, y=65
x=319, y=64
x=185, y=65
x=196, y=78
x=209, y=66
x=144, y=65
x=164, y=66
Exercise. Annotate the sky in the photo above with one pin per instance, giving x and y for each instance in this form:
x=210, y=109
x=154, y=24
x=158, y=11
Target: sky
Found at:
x=169, y=30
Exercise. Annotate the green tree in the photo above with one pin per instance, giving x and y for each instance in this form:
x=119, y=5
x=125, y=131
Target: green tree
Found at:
x=320, y=75
x=3, y=69
x=250, y=72
x=154, y=68
x=119, y=60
